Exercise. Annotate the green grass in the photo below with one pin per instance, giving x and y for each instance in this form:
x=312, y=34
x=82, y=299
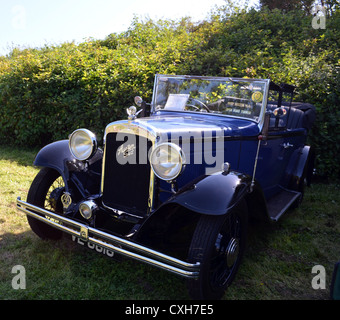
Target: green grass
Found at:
x=277, y=265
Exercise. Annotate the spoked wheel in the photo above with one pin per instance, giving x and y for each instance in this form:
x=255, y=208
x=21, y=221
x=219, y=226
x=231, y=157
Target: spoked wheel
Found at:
x=218, y=244
x=45, y=192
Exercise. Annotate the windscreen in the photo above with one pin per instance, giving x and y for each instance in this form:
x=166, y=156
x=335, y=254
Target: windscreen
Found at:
x=225, y=96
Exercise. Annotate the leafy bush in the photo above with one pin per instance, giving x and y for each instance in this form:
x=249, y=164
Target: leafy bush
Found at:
x=47, y=93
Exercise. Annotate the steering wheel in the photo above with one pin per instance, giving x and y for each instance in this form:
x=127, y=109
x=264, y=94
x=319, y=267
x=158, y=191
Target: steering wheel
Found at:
x=201, y=104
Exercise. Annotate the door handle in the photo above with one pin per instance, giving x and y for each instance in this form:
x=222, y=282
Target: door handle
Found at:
x=287, y=145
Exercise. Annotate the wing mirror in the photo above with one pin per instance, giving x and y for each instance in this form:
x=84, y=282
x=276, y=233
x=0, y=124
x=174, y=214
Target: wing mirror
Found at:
x=138, y=101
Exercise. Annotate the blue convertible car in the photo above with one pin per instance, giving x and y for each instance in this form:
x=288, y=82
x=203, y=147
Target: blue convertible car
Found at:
x=175, y=184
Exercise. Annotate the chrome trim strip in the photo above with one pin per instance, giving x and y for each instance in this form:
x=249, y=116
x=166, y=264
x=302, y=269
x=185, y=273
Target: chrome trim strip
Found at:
x=98, y=237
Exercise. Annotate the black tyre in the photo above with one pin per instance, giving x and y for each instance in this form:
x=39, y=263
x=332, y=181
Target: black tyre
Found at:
x=45, y=192
x=218, y=244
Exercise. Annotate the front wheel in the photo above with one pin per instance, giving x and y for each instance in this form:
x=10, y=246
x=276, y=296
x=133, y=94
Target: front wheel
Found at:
x=218, y=244
x=45, y=192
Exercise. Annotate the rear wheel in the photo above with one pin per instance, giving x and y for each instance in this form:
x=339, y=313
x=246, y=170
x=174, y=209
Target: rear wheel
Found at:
x=218, y=244
x=45, y=192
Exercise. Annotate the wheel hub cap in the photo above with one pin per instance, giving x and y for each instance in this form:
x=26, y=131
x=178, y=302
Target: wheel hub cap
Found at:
x=232, y=251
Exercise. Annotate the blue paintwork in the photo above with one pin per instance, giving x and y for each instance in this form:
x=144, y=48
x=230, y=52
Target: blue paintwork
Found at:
x=274, y=159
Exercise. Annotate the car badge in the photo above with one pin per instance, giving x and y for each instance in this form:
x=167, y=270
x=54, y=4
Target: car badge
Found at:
x=126, y=151
x=66, y=200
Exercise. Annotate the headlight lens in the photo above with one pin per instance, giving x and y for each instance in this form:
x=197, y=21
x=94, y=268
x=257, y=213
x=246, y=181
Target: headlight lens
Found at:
x=83, y=144
x=167, y=161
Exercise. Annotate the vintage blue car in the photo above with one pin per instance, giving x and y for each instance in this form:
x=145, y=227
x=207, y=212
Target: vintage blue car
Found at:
x=176, y=183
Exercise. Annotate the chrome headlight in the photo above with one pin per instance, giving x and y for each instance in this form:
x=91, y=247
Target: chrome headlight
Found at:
x=83, y=144
x=167, y=161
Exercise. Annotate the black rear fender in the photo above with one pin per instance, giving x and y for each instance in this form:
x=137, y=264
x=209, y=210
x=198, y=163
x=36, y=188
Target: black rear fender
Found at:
x=300, y=167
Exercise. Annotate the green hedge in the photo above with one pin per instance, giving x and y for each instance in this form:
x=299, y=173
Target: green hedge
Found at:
x=47, y=93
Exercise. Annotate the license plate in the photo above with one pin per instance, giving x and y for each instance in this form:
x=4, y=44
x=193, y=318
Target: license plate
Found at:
x=94, y=247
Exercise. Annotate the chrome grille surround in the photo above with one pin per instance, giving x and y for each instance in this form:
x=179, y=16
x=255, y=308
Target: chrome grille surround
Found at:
x=134, y=128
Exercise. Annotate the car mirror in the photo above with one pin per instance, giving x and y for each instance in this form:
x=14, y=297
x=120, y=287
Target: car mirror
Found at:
x=335, y=285
x=138, y=101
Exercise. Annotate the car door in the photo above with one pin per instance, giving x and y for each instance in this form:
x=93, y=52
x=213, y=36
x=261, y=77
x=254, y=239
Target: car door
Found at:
x=285, y=137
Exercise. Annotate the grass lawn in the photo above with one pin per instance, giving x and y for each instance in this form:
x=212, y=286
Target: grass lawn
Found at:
x=277, y=265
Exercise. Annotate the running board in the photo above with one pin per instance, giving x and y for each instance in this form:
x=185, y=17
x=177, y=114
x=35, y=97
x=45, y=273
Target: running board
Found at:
x=111, y=242
x=281, y=202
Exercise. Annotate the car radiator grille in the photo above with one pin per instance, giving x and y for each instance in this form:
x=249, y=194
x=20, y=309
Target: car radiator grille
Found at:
x=126, y=180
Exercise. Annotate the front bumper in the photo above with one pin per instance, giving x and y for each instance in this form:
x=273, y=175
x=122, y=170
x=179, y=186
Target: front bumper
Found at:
x=111, y=242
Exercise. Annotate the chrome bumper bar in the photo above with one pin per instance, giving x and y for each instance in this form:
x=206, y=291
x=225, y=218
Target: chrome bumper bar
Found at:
x=111, y=242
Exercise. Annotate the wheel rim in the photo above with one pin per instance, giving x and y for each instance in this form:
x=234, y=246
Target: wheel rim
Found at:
x=53, y=196
x=227, y=252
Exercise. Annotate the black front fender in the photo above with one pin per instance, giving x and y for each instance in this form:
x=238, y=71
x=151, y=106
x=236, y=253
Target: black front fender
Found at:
x=213, y=194
x=56, y=156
